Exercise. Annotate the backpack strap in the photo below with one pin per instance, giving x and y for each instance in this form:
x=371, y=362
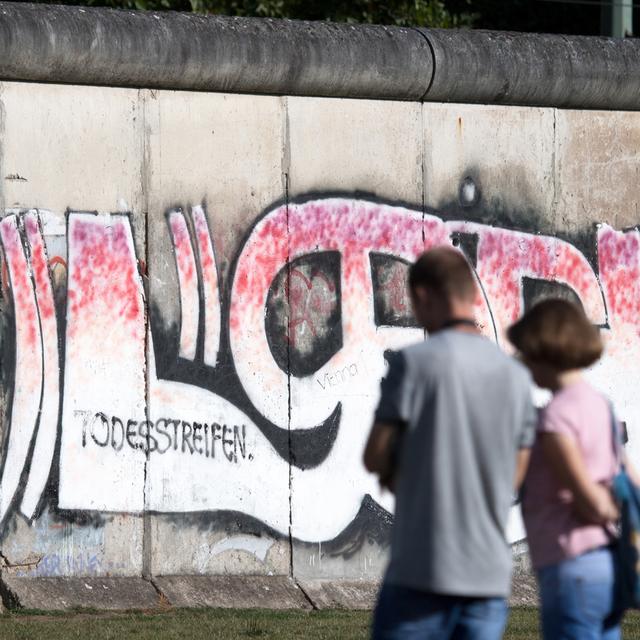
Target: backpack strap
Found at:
x=616, y=436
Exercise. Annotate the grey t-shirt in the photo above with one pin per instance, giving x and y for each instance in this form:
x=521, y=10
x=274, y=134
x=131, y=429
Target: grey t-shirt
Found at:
x=467, y=410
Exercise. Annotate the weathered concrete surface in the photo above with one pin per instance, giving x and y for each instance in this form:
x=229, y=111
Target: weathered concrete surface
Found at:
x=63, y=594
x=493, y=67
x=345, y=594
x=89, y=160
x=338, y=147
x=225, y=154
x=524, y=589
x=238, y=592
x=513, y=175
x=55, y=547
x=597, y=167
x=243, y=592
x=249, y=165
x=206, y=547
x=99, y=143
x=210, y=53
x=329, y=152
x=341, y=594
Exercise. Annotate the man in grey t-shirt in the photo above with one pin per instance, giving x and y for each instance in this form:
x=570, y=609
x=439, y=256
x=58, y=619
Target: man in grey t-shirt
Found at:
x=451, y=437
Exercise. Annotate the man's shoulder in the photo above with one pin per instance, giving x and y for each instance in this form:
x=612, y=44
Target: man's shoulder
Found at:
x=438, y=351
x=422, y=353
x=488, y=352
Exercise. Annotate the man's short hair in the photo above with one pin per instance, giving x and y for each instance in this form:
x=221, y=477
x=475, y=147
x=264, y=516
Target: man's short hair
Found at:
x=446, y=271
x=558, y=333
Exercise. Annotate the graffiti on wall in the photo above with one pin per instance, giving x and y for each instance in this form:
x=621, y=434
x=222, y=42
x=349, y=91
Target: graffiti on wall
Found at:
x=261, y=400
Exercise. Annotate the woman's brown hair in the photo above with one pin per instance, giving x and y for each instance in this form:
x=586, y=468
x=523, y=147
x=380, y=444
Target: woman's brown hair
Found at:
x=558, y=333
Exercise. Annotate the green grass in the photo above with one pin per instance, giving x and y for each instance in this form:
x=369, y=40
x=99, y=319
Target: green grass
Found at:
x=214, y=624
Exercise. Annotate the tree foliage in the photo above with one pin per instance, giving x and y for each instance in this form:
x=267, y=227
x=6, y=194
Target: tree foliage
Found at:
x=518, y=15
x=427, y=13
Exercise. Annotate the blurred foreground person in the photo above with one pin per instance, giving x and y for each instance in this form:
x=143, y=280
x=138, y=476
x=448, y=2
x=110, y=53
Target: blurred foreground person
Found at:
x=567, y=507
x=450, y=438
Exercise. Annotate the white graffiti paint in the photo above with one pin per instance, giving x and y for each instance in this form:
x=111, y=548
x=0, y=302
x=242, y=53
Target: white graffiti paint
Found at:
x=104, y=367
x=27, y=390
x=188, y=279
x=256, y=546
x=211, y=293
x=131, y=441
x=179, y=480
x=355, y=229
x=48, y=420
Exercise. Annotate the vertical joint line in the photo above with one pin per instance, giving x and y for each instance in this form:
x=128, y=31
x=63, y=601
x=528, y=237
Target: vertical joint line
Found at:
x=286, y=163
x=554, y=161
x=433, y=62
x=290, y=448
x=423, y=186
x=423, y=172
x=146, y=518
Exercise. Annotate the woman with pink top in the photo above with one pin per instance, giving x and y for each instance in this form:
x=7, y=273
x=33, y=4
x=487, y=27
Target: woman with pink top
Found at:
x=567, y=506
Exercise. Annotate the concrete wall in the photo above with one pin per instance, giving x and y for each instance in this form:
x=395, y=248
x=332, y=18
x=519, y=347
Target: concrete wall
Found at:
x=198, y=290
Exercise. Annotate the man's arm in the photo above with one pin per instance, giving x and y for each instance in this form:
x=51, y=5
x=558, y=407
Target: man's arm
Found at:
x=382, y=448
x=379, y=448
x=522, y=464
x=527, y=436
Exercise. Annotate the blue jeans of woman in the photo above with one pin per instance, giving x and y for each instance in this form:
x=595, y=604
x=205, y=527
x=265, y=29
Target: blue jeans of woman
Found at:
x=409, y=614
x=578, y=600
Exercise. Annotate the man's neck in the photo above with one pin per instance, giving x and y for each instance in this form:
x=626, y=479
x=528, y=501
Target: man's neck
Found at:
x=463, y=324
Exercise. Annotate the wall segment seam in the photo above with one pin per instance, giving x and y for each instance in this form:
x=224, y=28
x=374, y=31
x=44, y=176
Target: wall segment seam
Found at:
x=433, y=63
x=147, y=544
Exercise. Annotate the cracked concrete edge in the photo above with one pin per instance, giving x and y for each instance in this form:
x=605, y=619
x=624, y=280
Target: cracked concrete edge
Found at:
x=65, y=594
x=8, y=597
x=271, y=592
x=233, y=591
x=340, y=594
x=362, y=595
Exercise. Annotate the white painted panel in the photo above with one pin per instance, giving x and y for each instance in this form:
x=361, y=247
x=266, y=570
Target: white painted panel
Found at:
x=104, y=367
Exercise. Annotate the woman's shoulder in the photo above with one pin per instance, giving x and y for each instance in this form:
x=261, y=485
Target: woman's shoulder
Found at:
x=572, y=406
x=580, y=392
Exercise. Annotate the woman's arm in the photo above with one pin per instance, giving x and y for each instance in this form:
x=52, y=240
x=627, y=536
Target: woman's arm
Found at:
x=592, y=501
x=522, y=464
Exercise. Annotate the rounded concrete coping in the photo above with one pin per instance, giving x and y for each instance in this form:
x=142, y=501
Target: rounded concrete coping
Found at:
x=497, y=67
x=64, y=44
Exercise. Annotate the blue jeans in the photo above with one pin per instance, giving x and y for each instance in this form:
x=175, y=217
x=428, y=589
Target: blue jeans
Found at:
x=578, y=598
x=409, y=614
